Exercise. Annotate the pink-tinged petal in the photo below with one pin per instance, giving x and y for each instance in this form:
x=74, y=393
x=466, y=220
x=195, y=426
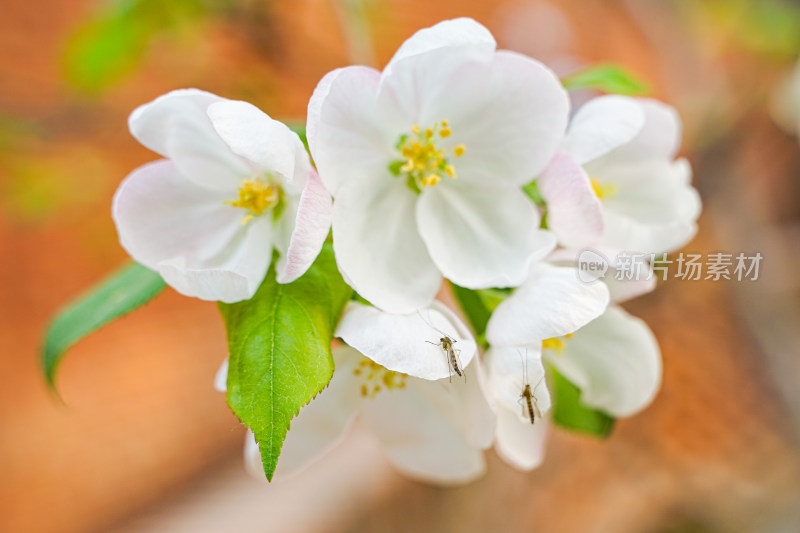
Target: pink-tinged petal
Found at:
x=344, y=135
x=508, y=370
x=378, y=247
x=321, y=425
x=187, y=234
x=574, y=213
x=601, y=125
x=176, y=126
x=481, y=237
x=407, y=343
x=421, y=432
x=551, y=303
x=269, y=144
x=521, y=445
x=615, y=361
x=308, y=230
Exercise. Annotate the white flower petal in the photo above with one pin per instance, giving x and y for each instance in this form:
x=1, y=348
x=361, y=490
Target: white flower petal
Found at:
x=619, y=290
x=187, y=234
x=221, y=377
x=574, y=213
x=615, y=361
x=477, y=415
x=659, y=138
x=344, y=135
x=508, y=370
x=378, y=247
x=481, y=238
x=252, y=134
x=602, y=124
x=510, y=114
x=420, y=75
x=551, y=303
x=455, y=33
x=520, y=445
x=420, y=430
x=231, y=275
x=629, y=234
x=176, y=126
x=407, y=343
x=307, y=228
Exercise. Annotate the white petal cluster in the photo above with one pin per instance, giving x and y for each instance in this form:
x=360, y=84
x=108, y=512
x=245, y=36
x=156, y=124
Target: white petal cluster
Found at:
x=234, y=186
x=424, y=173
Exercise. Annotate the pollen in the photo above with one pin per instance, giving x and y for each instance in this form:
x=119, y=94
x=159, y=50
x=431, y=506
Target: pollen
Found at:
x=603, y=190
x=256, y=196
x=556, y=344
x=425, y=162
x=375, y=378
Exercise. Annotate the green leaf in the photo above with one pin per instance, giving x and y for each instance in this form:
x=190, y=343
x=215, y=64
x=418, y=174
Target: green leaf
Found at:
x=279, y=346
x=569, y=412
x=127, y=289
x=474, y=308
x=608, y=78
x=478, y=306
x=114, y=40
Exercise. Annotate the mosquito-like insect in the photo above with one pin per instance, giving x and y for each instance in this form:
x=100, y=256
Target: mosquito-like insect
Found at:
x=446, y=343
x=527, y=393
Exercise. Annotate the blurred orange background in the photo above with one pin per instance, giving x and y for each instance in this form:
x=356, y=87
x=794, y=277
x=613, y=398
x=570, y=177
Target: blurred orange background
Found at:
x=142, y=442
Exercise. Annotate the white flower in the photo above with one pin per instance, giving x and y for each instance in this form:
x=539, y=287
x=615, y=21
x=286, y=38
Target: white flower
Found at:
x=613, y=358
x=426, y=160
x=551, y=304
x=616, y=182
x=410, y=343
x=235, y=185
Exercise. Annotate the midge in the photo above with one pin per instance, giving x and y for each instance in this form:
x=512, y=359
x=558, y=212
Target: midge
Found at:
x=451, y=353
x=527, y=393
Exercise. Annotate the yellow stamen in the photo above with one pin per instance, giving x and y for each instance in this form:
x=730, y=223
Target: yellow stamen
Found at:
x=556, y=343
x=424, y=163
x=378, y=379
x=603, y=191
x=256, y=196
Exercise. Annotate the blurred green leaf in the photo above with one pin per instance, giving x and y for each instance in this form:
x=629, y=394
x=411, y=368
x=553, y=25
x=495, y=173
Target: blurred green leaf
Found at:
x=607, y=78
x=113, y=42
x=478, y=306
x=279, y=345
x=570, y=413
x=121, y=293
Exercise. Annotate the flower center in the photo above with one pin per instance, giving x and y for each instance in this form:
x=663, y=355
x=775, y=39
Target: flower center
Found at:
x=423, y=163
x=556, y=344
x=257, y=196
x=375, y=378
x=603, y=190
